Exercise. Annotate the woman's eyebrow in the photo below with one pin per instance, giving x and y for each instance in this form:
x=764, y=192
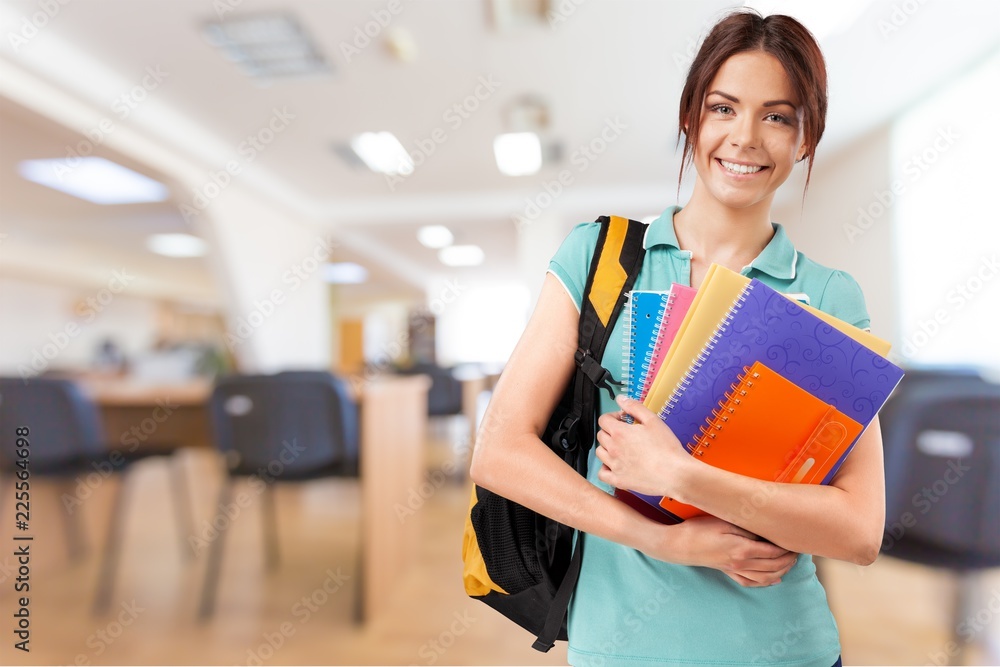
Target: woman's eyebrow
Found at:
x=772, y=103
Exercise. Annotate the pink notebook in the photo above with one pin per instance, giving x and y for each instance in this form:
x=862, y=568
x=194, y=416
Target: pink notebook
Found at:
x=678, y=303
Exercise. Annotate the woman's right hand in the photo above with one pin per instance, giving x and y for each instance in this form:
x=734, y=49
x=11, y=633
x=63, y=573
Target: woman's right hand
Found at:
x=708, y=541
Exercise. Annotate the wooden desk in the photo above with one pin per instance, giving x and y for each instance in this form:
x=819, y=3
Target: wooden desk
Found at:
x=163, y=417
x=393, y=426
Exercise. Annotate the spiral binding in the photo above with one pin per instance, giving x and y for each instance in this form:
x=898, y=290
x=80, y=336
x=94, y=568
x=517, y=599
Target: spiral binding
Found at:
x=736, y=394
x=663, y=316
x=632, y=372
x=628, y=341
x=702, y=357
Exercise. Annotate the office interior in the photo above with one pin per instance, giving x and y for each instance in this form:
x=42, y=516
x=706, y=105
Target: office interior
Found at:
x=201, y=213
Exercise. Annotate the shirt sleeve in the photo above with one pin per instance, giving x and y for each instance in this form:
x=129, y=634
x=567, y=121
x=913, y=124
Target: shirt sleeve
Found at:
x=842, y=297
x=571, y=263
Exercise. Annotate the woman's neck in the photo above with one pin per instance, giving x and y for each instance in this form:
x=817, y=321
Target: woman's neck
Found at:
x=717, y=233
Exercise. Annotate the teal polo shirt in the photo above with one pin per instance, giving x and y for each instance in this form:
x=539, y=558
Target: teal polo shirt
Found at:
x=629, y=609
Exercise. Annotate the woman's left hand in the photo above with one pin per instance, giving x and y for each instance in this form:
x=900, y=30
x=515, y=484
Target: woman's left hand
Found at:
x=644, y=456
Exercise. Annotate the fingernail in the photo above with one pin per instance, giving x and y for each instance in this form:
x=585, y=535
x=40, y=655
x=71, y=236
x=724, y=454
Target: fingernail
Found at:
x=775, y=583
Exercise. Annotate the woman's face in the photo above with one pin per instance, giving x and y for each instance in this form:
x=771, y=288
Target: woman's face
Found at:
x=751, y=130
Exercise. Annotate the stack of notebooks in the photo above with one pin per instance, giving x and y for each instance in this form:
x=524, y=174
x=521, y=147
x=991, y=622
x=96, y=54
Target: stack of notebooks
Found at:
x=751, y=381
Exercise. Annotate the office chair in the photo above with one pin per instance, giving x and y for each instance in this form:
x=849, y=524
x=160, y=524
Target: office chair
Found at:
x=67, y=442
x=941, y=436
x=292, y=426
x=444, y=398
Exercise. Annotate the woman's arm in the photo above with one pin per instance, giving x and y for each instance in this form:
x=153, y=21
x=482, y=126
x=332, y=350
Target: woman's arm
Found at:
x=510, y=459
x=842, y=520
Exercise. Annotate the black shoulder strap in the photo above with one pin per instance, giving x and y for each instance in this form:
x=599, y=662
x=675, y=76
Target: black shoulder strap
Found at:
x=613, y=270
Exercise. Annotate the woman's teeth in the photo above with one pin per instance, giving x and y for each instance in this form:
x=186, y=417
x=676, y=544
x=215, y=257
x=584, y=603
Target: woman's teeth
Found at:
x=740, y=168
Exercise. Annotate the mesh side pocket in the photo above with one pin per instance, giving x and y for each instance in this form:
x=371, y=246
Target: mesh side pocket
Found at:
x=506, y=535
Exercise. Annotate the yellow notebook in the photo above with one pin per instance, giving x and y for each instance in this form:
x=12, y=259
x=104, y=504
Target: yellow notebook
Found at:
x=718, y=292
x=714, y=299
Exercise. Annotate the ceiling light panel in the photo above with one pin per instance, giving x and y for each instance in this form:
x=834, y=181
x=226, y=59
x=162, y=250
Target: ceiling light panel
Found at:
x=176, y=245
x=461, y=255
x=94, y=179
x=518, y=153
x=344, y=273
x=383, y=153
x=435, y=236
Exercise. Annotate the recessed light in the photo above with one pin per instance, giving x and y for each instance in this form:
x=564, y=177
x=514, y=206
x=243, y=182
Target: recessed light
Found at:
x=461, y=255
x=344, y=273
x=94, y=179
x=176, y=245
x=518, y=153
x=383, y=153
x=435, y=236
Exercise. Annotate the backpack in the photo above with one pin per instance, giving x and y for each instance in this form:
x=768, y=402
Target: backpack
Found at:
x=517, y=561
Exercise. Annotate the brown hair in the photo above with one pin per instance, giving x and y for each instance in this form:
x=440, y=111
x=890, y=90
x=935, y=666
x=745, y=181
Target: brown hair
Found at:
x=778, y=35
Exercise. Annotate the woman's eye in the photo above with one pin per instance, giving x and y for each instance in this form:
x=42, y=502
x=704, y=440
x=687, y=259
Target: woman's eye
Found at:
x=777, y=117
x=722, y=108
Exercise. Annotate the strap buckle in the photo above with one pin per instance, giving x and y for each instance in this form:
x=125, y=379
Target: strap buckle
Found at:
x=598, y=375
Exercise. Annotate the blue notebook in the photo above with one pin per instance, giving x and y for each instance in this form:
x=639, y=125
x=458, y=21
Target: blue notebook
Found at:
x=644, y=312
x=765, y=326
x=643, y=315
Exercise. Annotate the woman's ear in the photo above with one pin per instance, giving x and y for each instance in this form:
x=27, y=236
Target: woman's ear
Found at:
x=802, y=153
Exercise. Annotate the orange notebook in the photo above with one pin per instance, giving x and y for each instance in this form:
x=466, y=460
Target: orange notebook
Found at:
x=769, y=428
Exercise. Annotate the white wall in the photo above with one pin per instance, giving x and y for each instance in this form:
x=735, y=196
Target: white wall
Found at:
x=826, y=228
x=57, y=327
x=945, y=218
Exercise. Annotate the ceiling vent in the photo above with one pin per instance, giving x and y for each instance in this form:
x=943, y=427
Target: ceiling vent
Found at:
x=267, y=47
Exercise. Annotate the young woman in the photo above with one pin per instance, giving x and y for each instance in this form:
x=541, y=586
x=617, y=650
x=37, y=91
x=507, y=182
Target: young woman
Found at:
x=738, y=587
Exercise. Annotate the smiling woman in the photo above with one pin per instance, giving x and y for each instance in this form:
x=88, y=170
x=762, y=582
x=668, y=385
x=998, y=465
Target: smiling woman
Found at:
x=735, y=587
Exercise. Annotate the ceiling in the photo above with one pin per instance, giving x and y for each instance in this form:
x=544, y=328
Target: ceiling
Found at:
x=620, y=62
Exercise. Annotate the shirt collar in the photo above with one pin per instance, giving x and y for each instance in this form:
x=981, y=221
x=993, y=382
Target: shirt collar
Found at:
x=777, y=259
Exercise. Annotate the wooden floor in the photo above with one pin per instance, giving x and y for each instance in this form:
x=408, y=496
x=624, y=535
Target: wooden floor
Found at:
x=302, y=613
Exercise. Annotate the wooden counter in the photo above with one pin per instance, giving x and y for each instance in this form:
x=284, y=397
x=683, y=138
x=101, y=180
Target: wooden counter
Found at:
x=393, y=465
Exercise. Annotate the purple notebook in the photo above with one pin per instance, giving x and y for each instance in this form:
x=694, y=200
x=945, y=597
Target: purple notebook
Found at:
x=765, y=326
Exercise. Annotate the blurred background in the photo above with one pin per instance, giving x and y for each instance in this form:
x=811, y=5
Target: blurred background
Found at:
x=246, y=243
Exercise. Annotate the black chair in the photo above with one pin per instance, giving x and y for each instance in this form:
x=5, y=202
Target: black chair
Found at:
x=292, y=426
x=67, y=442
x=941, y=433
